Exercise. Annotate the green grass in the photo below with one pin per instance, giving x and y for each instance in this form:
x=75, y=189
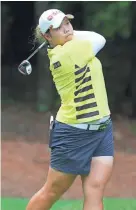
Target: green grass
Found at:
x=109, y=203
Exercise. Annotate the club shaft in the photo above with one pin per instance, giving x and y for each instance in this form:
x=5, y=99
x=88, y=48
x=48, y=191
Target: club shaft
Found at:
x=30, y=56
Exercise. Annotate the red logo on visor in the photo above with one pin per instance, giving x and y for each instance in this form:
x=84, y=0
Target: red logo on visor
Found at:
x=51, y=16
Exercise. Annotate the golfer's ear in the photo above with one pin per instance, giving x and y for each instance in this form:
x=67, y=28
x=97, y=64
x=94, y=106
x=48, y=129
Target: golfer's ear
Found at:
x=47, y=36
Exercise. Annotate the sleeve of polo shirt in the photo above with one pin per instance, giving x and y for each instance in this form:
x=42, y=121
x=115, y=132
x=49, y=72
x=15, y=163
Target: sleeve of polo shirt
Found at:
x=81, y=51
x=97, y=40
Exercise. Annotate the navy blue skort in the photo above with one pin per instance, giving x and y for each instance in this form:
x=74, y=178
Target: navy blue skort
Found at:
x=72, y=148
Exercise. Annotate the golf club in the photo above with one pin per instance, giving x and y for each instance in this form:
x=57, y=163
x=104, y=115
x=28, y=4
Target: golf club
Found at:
x=25, y=66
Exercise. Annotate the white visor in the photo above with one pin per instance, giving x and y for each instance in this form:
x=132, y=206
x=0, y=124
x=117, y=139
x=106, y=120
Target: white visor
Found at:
x=52, y=18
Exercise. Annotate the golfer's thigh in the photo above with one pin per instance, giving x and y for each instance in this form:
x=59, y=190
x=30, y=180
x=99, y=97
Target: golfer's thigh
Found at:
x=58, y=182
x=101, y=169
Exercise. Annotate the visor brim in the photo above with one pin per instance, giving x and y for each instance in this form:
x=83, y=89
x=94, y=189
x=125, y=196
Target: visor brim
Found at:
x=58, y=23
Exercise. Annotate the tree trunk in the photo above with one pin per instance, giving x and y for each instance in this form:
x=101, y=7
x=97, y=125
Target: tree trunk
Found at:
x=133, y=66
x=44, y=82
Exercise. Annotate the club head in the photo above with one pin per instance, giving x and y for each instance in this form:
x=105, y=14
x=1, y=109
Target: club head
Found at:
x=25, y=67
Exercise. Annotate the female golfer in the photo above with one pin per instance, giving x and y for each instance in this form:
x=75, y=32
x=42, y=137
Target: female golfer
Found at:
x=81, y=138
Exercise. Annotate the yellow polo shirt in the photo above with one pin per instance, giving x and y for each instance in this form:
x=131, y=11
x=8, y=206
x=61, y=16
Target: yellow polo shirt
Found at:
x=79, y=80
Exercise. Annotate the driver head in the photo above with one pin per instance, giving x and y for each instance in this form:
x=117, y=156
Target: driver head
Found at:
x=25, y=67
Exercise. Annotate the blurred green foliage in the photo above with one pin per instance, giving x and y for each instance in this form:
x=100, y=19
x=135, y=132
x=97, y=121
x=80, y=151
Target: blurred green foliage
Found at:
x=109, y=18
x=112, y=18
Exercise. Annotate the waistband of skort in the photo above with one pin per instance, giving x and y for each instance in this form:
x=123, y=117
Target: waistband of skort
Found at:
x=93, y=127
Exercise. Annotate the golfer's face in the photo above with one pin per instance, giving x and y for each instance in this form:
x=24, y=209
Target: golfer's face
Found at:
x=62, y=34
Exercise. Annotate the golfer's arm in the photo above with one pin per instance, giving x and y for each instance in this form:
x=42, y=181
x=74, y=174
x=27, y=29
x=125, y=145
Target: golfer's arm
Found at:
x=97, y=40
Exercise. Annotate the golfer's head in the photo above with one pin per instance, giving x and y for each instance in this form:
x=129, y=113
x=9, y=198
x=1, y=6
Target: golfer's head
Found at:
x=55, y=27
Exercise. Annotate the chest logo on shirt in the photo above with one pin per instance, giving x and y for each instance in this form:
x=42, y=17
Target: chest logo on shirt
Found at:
x=56, y=65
